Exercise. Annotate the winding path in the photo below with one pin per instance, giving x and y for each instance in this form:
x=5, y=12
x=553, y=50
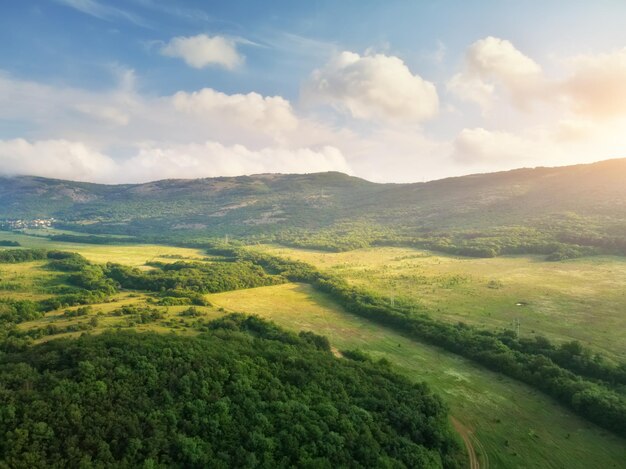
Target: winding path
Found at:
x=466, y=434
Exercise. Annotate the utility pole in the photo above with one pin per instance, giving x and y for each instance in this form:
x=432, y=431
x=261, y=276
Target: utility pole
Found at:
x=517, y=324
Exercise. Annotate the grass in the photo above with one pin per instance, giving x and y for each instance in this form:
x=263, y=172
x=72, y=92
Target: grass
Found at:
x=172, y=322
x=128, y=254
x=582, y=299
x=26, y=281
x=516, y=426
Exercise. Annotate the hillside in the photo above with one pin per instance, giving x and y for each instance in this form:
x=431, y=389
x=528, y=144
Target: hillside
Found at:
x=574, y=205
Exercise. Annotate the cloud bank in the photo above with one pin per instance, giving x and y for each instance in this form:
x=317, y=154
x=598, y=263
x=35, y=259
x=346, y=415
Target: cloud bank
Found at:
x=65, y=159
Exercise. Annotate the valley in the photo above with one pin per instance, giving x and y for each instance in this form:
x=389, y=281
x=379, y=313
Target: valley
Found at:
x=513, y=425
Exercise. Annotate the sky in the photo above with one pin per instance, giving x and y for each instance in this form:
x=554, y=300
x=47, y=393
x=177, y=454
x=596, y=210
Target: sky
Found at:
x=121, y=91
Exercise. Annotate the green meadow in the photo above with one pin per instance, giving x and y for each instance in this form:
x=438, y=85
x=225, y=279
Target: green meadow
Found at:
x=128, y=254
x=582, y=299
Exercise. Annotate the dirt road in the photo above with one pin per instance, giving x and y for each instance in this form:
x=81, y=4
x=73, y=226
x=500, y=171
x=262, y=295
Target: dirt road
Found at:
x=466, y=434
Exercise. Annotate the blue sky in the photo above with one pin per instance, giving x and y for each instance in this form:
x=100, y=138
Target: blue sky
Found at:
x=125, y=91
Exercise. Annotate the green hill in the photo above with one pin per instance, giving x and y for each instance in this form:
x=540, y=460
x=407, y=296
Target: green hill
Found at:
x=563, y=211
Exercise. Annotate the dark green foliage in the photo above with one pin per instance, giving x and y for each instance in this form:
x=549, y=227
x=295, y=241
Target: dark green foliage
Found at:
x=16, y=311
x=241, y=395
x=318, y=341
x=356, y=355
x=66, y=261
x=7, y=243
x=12, y=256
x=192, y=277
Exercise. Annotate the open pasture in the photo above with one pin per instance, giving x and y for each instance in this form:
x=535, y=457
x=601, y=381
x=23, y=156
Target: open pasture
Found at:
x=128, y=254
x=582, y=299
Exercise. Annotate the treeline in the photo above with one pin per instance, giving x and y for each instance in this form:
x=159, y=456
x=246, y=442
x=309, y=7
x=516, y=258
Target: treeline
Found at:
x=93, y=239
x=14, y=256
x=502, y=241
x=244, y=393
x=8, y=243
x=180, y=279
x=607, y=243
x=570, y=355
x=557, y=373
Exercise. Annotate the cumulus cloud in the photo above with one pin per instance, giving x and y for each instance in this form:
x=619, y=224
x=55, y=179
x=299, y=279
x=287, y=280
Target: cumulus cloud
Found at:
x=377, y=87
x=122, y=115
x=60, y=159
x=592, y=87
x=201, y=51
x=273, y=113
x=211, y=159
x=65, y=159
x=492, y=61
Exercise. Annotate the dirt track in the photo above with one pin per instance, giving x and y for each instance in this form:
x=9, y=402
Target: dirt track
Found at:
x=466, y=434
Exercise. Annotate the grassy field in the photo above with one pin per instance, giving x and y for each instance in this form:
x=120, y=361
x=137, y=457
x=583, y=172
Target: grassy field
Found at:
x=582, y=299
x=514, y=425
x=26, y=280
x=128, y=254
x=171, y=322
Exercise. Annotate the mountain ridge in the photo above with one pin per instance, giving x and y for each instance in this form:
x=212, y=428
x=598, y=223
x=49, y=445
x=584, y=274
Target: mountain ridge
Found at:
x=551, y=202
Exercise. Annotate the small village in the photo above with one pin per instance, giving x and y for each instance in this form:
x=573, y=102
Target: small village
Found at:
x=22, y=224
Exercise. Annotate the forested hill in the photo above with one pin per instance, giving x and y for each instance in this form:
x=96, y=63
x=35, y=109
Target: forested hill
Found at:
x=575, y=205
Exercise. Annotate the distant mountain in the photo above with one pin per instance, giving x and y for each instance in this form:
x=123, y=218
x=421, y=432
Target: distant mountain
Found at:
x=569, y=201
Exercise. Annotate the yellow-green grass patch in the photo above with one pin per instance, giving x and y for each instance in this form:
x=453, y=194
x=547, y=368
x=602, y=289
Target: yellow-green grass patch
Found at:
x=127, y=254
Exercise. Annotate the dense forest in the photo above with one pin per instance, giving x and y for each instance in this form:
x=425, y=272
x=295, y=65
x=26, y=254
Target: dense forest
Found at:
x=243, y=393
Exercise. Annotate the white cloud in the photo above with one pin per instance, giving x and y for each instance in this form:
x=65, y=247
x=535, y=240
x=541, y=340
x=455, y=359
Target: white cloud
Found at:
x=498, y=57
x=473, y=89
x=201, y=51
x=210, y=159
x=593, y=85
x=273, y=113
x=377, y=87
x=65, y=159
x=104, y=12
x=60, y=159
x=121, y=116
x=492, y=61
